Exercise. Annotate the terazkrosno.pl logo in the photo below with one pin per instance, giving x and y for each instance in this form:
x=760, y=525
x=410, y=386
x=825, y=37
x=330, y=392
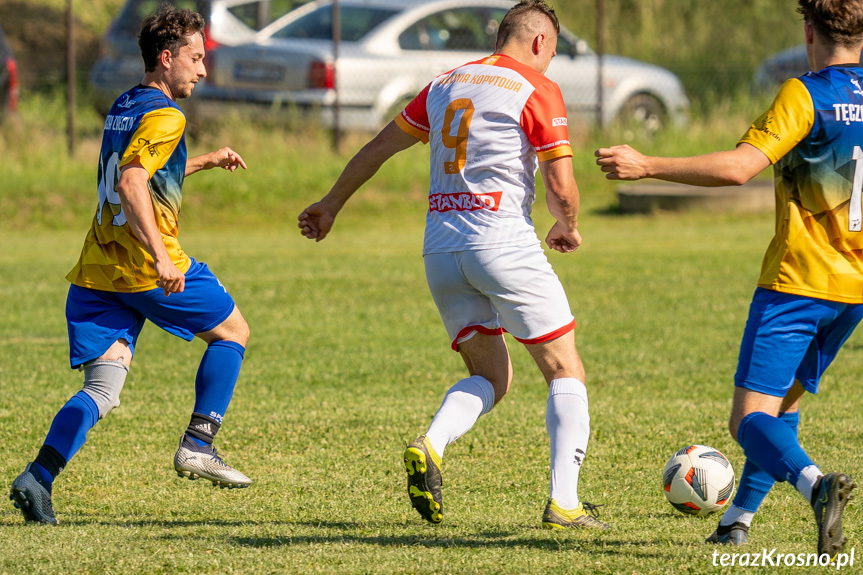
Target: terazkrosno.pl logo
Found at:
x=773, y=558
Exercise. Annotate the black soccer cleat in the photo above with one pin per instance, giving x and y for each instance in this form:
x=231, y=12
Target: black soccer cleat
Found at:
x=832, y=493
x=32, y=496
x=735, y=534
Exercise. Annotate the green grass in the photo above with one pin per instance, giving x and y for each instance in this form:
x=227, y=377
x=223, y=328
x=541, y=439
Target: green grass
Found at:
x=348, y=362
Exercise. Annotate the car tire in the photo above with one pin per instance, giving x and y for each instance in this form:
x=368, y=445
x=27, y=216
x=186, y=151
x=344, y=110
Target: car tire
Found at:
x=642, y=115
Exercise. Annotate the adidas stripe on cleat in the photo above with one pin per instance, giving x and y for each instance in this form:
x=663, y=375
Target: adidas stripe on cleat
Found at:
x=424, y=479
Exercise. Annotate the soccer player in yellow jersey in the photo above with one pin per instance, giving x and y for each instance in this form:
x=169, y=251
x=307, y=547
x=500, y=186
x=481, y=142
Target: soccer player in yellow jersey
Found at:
x=132, y=269
x=810, y=292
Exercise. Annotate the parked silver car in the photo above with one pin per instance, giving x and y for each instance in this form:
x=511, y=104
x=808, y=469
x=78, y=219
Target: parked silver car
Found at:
x=390, y=49
x=228, y=22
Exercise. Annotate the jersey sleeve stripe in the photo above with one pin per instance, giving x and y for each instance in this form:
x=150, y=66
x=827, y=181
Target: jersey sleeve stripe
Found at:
x=414, y=130
x=557, y=152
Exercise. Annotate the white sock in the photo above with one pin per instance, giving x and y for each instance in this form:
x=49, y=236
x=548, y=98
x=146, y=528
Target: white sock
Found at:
x=735, y=514
x=568, y=423
x=464, y=403
x=806, y=481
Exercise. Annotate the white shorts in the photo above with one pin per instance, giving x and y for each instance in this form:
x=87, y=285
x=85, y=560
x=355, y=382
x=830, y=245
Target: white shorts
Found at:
x=495, y=290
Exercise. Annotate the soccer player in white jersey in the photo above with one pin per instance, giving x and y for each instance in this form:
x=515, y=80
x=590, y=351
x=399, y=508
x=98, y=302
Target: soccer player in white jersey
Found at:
x=809, y=297
x=489, y=125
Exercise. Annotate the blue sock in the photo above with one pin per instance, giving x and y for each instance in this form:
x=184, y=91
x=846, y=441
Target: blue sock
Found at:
x=755, y=483
x=44, y=474
x=217, y=376
x=772, y=445
x=70, y=426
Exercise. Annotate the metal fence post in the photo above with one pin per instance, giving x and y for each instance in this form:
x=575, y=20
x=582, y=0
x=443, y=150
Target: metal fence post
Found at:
x=337, y=38
x=70, y=77
x=600, y=51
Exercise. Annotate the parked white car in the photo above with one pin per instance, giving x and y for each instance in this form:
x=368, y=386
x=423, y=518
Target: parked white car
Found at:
x=390, y=49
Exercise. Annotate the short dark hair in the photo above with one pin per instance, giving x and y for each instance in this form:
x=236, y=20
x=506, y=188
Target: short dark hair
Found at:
x=516, y=19
x=839, y=21
x=168, y=28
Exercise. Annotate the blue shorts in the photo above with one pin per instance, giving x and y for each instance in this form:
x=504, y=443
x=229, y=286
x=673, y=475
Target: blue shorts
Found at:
x=96, y=319
x=790, y=337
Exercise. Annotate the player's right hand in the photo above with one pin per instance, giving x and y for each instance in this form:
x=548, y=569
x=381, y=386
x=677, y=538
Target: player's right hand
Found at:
x=171, y=279
x=316, y=221
x=562, y=240
x=621, y=163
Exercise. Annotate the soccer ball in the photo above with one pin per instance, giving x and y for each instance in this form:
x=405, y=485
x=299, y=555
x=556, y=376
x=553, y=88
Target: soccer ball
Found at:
x=698, y=480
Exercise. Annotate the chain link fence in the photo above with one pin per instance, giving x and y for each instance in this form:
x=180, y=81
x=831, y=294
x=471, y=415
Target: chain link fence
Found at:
x=353, y=64
x=372, y=73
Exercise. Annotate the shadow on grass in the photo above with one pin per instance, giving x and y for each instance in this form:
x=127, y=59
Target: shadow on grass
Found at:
x=493, y=539
x=387, y=535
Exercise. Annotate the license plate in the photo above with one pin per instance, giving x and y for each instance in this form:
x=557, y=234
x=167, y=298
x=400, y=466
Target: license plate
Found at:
x=256, y=72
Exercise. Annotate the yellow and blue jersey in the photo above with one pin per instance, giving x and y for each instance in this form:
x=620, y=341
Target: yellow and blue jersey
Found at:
x=813, y=134
x=145, y=124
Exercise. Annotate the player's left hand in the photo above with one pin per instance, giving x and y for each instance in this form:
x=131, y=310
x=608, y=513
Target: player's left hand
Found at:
x=226, y=158
x=562, y=240
x=316, y=221
x=621, y=163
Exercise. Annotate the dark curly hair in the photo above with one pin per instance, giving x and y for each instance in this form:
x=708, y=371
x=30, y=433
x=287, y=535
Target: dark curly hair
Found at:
x=167, y=29
x=839, y=21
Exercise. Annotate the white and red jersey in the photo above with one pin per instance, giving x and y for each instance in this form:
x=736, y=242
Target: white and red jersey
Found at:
x=488, y=124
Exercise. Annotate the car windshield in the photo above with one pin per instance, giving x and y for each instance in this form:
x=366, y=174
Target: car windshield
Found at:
x=454, y=29
x=357, y=21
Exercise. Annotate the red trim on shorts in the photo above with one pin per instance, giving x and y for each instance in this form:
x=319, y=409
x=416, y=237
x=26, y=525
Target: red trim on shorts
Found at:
x=498, y=331
x=479, y=328
x=549, y=336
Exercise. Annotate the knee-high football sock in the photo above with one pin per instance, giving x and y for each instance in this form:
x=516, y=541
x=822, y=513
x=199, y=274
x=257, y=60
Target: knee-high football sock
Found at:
x=465, y=402
x=772, y=445
x=68, y=433
x=568, y=424
x=214, y=384
x=754, y=484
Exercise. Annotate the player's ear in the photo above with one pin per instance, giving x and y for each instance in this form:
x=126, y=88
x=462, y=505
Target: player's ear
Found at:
x=165, y=58
x=537, y=43
x=809, y=31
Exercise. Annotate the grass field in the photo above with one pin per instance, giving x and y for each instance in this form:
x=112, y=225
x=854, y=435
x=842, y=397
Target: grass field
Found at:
x=348, y=362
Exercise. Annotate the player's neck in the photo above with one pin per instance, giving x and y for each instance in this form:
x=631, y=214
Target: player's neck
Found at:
x=822, y=55
x=154, y=80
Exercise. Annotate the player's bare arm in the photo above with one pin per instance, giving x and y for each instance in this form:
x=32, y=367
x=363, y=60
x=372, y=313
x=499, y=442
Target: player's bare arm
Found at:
x=726, y=168
x=138, y=207
x=225, y=158
x=562, y=198
x=316, y=221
